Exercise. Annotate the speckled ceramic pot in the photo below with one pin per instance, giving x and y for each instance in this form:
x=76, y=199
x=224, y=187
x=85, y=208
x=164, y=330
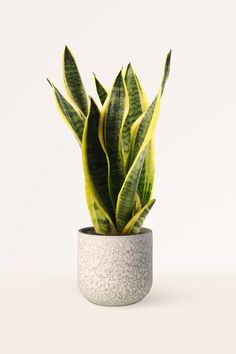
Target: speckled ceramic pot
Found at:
x=114, y=270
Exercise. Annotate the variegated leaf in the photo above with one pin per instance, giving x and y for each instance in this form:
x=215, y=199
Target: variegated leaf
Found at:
x=112, y=115
x=141, y=125
x=137, y=105
x=101, y=91
x=126, y=200
x=134, y=225
x=139, y=130
x=146, y=180
x=96, y=169
x=96, y=160
x=74, y=119
x=100, y=222
x=73, y=82
x=126, y=197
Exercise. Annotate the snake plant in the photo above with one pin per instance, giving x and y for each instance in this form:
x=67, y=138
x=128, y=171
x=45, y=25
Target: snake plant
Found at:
x=117, y=145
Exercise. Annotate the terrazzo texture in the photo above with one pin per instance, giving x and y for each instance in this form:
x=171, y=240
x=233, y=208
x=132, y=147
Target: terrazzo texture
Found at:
x=114, y=270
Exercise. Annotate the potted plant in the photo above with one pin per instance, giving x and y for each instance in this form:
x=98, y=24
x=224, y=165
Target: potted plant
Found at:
x=115, y=255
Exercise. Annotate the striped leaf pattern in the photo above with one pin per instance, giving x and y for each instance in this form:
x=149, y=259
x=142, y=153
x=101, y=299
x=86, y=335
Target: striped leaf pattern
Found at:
x=100, y=222
x=96, y=190
x=101, y=91
x=127, y=196
x=125, y=205
x=135, y=224
x=96, y=159
x=139, y=129
x=117, y=145
x=112, y=115
x=73, y=82
x=74, y=119
x=137, y=105
x=146, y=180
x=141, y=126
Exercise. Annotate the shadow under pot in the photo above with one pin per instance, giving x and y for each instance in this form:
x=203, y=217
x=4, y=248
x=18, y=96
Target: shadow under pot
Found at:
x=114, y=270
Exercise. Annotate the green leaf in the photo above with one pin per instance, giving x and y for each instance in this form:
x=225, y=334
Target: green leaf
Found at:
x=74, y=119
x=73, y=82
x=134, y=225
x=138, y=133
x=101, y=91
x=146, y=180
x=126, y=200
x=166, y=71
x=101, y=223
x=96, y=190
x=141, y=132
x=96, y=160
x=140, y=129
x=126, y=197
x=141, y=125
x=112, y=116
x=137, y=105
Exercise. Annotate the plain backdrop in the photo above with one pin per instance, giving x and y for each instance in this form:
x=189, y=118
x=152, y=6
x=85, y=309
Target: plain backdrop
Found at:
x=42, y=192
x=42, y=201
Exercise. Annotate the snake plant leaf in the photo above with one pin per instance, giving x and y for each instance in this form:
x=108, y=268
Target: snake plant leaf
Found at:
x=126, y=197
x=101, y=91
x=166, y=71
x=112, y=116
x=137, y=105
x=137, y=205
x=96, y=160
x=134, y=225
x=74, y=119
x=126, y=201
x=138, y=132
x=146, y=180
x=140, y=127
x=100, y=222
x=95, y=166
x=73, y=82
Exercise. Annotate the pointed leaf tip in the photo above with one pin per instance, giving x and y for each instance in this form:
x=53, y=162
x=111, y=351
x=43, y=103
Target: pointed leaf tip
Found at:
x=49, y=82
x=129, y=66
x=101, y=91
x=168, y=59
x=92, y=102
x=128, y=69
x=119, y=75
x=68, y=54
x=166, y=71
x=73, y=82
x=66, y=50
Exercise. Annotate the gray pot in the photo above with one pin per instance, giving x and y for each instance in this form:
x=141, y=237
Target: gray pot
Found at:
x=114, y=270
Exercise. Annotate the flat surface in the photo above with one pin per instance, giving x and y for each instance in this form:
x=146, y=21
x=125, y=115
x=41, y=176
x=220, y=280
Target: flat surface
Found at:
x=182, y=314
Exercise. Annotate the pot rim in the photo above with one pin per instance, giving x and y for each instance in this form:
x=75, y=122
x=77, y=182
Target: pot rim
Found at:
x=85, y=231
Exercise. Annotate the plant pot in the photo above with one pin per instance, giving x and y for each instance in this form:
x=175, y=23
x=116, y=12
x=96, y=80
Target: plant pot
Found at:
x=114, y=270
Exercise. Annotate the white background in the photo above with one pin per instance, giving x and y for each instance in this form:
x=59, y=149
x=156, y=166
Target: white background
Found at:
x=42, y=200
